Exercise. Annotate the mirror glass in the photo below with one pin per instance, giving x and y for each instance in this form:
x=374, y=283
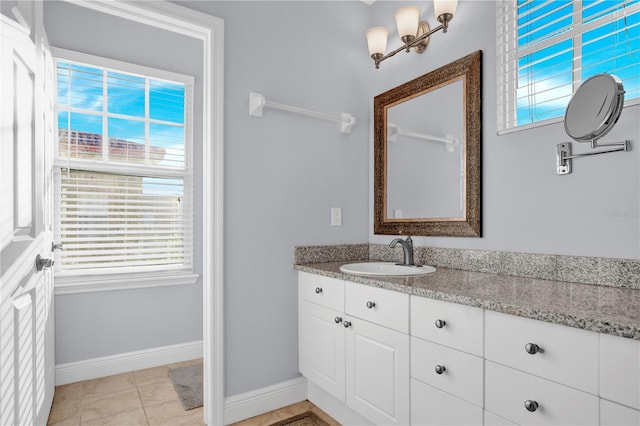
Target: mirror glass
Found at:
x=427, y=135
x=419, y=140
x=594, y=108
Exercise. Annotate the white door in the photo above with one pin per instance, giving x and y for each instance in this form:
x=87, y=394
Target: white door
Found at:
x=323, y=348
x=377, y=365
x=27, y=374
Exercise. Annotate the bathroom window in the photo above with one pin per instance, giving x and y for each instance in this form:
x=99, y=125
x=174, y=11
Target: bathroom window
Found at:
x=546, y=48
x=123, y=171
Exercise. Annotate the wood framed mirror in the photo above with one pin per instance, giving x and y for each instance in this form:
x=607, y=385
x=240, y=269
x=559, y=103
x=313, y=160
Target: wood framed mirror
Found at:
x=427, y=153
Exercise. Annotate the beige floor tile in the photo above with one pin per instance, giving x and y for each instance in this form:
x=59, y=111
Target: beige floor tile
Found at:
x=152, y=375
x=157, y=392
x=128, y=418
x=68, y=395
x=106, y=385
x=64, y=416
x=171, y=413
x=109, y=404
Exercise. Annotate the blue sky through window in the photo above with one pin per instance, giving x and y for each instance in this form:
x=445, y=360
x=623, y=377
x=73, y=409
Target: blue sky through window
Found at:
x=545, y=77
x=81, y=90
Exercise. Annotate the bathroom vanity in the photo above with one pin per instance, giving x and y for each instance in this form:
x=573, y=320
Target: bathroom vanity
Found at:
x=461, y=347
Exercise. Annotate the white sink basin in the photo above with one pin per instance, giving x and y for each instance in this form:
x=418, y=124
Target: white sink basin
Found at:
x=385, y=269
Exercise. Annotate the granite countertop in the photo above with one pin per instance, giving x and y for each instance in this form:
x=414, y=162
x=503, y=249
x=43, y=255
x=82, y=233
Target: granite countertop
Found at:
x=609, y=310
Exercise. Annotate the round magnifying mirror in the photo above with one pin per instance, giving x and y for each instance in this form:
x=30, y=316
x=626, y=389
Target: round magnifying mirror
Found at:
x=594, y=108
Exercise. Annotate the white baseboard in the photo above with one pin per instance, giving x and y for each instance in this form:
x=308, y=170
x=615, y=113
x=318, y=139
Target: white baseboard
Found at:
x=249, y=404
x=121, y=363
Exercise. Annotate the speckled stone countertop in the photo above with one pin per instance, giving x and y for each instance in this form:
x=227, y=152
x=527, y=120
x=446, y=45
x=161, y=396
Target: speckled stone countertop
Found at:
x=609, y=310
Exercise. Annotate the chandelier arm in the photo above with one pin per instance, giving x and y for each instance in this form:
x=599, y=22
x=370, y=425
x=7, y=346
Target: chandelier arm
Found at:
x=413, y=43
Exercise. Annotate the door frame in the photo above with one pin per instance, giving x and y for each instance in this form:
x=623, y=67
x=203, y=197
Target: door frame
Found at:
x=210, y=30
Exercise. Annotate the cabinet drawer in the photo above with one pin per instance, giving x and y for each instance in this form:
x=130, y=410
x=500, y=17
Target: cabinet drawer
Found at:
x=377, y=305
x=612, y=414
x=506, y=391
x=462, y=375
x=620, y=370
x=430, y=406
x=460, y=326
x=324, y=291
x=570, y=355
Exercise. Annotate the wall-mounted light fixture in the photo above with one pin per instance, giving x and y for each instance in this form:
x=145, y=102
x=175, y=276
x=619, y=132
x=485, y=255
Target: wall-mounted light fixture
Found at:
x=413, y=32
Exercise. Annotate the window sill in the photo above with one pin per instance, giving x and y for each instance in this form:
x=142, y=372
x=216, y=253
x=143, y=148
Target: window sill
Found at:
x=93, y=283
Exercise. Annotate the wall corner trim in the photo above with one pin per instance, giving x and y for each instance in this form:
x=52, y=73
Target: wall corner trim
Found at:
x=122, y=363
x=253, y=403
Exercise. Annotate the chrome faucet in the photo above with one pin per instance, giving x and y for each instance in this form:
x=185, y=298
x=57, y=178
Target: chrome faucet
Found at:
x=407, y=247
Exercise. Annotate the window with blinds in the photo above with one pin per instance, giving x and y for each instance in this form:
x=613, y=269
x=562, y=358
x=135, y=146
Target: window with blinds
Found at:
x=123, y=174
x=546, y=48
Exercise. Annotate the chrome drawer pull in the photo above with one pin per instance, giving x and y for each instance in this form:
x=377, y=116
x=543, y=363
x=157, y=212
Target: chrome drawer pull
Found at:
x=347, y=324
x=531, y=405
x=338, y=320
x=440, y=323
x=318, y=290
x=371, y=305
x=440, y=369
x=532, y=348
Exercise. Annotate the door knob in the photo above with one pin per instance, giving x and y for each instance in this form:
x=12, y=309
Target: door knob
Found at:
x=371, y=305
x=347, y=324
x=318, y=290
x=42, y=263
x=440, y=323
x=338, y=320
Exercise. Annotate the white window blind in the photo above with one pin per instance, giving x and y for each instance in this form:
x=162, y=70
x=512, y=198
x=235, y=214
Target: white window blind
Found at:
x=546, y=48
x=123, y=175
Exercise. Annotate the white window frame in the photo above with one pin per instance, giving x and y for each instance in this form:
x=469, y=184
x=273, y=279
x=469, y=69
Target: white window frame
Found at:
x=69, y=282
x=508, y=56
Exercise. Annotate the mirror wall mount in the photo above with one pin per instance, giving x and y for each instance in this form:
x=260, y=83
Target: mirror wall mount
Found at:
x=465, y=71
x=592, y=112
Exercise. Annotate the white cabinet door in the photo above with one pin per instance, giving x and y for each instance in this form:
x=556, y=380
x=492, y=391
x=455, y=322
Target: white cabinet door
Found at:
x=612, y=414
x=27, y=370
x=378, y=372
x=430, y=406
x=620, y=370
x=323, y=343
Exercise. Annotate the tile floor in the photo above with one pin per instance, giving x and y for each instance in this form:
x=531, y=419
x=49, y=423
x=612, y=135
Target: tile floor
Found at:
x=144, y=397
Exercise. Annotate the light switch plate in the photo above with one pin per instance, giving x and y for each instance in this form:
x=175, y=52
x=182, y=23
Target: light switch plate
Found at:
x=336, y=216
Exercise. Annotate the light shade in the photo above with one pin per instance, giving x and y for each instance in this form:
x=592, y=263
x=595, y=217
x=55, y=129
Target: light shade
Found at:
x=444, y=6
x=377, y=40
x=407, y=18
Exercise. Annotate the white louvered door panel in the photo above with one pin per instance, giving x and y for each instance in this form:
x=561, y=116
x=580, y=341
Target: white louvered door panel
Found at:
x=26, y=303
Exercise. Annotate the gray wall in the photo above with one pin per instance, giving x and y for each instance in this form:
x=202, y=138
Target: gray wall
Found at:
x=526, y=206
x=99, y=324
x=284, y=172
